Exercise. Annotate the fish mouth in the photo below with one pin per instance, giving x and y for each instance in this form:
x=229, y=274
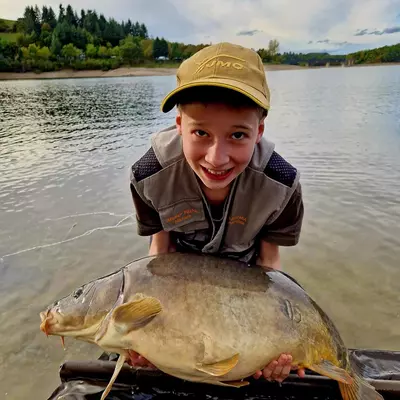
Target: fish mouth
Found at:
x=55, y=323
x=47, y=319
x=51, y=322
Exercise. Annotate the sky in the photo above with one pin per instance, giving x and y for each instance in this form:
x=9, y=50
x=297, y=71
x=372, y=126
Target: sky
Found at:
x=335, y=26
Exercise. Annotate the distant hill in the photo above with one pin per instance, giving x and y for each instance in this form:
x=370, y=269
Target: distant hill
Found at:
x=8, y=30
x=6, y=25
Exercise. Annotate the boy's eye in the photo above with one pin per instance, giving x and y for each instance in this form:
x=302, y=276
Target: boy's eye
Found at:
x=238, y=135
x=200, y=133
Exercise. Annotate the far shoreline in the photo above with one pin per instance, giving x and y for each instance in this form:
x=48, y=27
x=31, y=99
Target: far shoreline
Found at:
x=148, y=71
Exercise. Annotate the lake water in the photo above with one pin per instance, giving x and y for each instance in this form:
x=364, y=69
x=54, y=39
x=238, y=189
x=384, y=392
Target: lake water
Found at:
x=66, y=215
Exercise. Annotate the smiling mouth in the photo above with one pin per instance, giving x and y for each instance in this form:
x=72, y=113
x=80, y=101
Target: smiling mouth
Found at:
x=217, y=174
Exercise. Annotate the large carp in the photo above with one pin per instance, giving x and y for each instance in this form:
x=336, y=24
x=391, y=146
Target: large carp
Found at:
x=205, y=319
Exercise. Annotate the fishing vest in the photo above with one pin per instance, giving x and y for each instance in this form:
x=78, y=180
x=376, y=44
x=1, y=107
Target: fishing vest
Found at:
x=165, y=181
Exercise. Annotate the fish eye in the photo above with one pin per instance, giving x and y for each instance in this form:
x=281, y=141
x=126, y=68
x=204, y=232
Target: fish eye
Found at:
x=77, y=293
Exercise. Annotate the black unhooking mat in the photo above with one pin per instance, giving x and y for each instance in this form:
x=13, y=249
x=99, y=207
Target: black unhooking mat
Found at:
x=87, y=380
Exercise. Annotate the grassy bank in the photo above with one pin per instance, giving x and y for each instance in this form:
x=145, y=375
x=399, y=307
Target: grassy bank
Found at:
x=10, y=36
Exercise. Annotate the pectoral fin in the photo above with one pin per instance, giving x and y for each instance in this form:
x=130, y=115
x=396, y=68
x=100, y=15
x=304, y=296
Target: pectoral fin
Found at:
x=135, y=314
x=220, y=367
x=326, y=368
x=117, y=370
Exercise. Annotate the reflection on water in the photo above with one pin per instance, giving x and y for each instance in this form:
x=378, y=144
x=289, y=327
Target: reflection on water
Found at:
x=66, y=213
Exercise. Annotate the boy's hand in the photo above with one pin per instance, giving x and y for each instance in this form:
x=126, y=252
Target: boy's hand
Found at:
x=276, y=370
x=279, y=369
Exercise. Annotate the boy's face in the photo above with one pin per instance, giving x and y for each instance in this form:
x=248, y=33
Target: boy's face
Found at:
x=218, y=141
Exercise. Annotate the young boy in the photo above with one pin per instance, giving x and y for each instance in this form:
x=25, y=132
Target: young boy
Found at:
x=212, y=183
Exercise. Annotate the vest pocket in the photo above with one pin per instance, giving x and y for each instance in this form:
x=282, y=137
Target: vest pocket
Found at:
x=185, y=216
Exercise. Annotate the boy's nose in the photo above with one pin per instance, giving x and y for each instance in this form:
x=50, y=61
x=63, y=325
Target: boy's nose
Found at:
x=217, y=155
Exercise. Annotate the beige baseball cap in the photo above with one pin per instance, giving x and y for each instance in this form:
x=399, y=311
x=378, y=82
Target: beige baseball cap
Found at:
x=224, y=65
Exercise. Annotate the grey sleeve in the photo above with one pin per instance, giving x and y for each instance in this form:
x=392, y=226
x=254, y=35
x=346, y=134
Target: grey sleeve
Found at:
x=286, y=229
x=147, y=218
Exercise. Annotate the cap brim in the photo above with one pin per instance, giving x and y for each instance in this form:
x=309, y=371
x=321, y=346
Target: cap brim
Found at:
x=170, y=99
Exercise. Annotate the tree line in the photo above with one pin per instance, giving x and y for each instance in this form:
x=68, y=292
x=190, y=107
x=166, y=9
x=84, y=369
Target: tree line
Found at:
x=48, y=41
x=383, y=54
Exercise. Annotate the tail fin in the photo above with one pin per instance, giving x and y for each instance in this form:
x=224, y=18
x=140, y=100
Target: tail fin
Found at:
x=359, y=390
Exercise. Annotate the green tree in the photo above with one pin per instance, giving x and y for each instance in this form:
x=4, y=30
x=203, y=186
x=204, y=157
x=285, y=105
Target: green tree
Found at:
x=91, y=23
x=45, y=15
x=31, y=20
x=82, y=20
x=8, y=49
x=102, y=23
x=113, y=32
x=45, y=27
x=61, y=14
x=175, y=51
x=131, y=50
x=264, y=55
x=116, y=52
x=30, y=52
x=70, y=16
x=91, y=51
x=51, y=18
x=25, y=40
x=70, y=52
x=63, y=33
x=128, y=28
x=56, y=46
x=135, y=30
x=43, y=53
x=143, y=32
x=147, y=48
x=80, y=37
x=273, y=47
x=160, y=48
x=103, y=52
x=189, y=50
x=46, y=35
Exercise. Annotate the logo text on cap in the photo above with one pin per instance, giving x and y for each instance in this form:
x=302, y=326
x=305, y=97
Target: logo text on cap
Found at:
x=211, y=62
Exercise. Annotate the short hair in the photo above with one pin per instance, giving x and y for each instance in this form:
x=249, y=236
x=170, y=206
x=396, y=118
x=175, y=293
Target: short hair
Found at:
x=216, y=94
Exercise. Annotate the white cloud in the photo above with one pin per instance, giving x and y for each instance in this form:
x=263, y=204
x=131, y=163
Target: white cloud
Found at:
x=293, y=24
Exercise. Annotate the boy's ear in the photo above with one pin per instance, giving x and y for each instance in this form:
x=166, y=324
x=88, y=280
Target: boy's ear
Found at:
x=261, y=127
x=178, y=122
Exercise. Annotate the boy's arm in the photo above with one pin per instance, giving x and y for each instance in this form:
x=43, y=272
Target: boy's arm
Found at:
x=161, y=243
x=284, y=231
x=268, y=255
